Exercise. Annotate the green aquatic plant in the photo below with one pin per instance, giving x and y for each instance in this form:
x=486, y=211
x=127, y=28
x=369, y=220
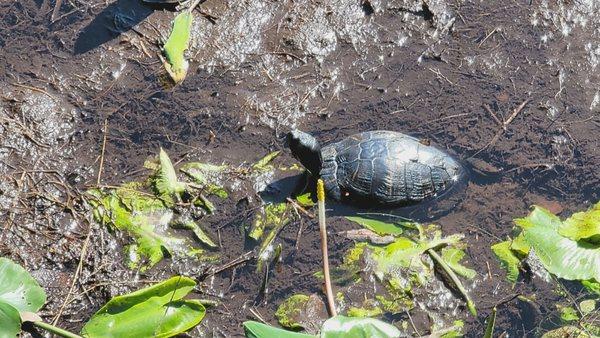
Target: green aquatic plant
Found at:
x=19, y=293
x=176, y=45
x=381, y=227
x=567, y=249
x=165, y=179
x=159, y=310
x=334, y=327
x=146, y=220
x=148, y=211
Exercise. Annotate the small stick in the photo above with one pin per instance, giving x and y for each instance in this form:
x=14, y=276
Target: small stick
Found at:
x=76, y=276
x=452, y=275
x=299, y=207
x=323, y=229
x=489, y=110
x=102, y=152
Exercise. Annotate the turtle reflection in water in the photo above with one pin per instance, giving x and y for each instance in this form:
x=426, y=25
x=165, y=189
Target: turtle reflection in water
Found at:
x=382, y=168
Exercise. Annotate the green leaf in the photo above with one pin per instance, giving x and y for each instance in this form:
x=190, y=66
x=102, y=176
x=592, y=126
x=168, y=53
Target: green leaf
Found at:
x=287, y=313
x=509, y=261
x=206, y=175
x=568, y=314
x=305, y=200
x=176, y=45
x=145, y=219
x=348, y=327
x=452, y=257
x=254, y=329
x=274, y=218
x=10, y=321
x=491, y=324
x=592, y=286
x=264, y=164
x=18, y=289
x=561, y=256
x=583, y=225
x=377, y=226
x=155, y=311
x=200, y=234
x=166, y=182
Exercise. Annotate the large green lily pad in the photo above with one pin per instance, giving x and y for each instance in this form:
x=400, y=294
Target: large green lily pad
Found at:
x=155, y=311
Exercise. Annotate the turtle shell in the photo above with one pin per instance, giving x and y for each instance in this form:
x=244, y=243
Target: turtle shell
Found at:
x=386, y=167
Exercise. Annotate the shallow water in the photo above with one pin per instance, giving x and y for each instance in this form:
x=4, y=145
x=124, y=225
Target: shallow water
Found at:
x=259, y=68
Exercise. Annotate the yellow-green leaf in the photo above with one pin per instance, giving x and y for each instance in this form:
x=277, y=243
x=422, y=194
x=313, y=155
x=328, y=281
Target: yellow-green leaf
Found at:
x=509, y=261
x=583, y=225
x=176, y=45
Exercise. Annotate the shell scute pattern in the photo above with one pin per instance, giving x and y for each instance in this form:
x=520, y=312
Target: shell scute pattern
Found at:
x=386, y=166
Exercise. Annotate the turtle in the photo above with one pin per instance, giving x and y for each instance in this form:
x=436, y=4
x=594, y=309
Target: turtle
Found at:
x=378, y=167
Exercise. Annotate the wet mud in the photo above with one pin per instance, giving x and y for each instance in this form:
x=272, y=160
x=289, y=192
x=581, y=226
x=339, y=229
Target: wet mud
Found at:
x=510, y=89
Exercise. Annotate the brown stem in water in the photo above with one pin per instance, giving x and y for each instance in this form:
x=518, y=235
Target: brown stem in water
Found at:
x=323, y=229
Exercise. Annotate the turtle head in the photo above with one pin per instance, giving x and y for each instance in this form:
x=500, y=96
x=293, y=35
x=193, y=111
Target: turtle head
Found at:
x=305, y=149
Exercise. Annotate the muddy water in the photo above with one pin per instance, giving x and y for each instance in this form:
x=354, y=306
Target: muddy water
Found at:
x=451, y=72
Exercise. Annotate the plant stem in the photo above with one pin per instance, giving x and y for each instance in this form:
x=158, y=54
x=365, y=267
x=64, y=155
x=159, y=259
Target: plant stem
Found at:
x=56, y=330
x=489, y=330
x=459, y=286
x=323, y=229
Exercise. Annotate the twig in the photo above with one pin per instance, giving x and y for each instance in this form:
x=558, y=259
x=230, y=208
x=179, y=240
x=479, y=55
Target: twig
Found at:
x=240, y=260
x=300, y=208
x=457, y=282
x=489, y=110
x=323, y=229
x=102, y=152
x=76, y=277
x=35, y=90
x=487, y=36
x=504, y=125
x=55, y=10
x=515, y=113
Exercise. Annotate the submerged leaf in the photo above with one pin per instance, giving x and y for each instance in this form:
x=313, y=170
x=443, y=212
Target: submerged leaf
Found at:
x=288, y=312
x=207, y=176
x=305, y=200
x=302, y=312
x=275, y=218
x=166, y=182
x=583, y=225
x=452, y=257
x=200, y=234
x=343, y=327
x=566, y=331
x=254, y=329
x=509, y=261
x=271, y=216
x=377, y=226
x=145, y=219
x=264, y=164
x=561, y=256
x=155, y=311
x=176, y=45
